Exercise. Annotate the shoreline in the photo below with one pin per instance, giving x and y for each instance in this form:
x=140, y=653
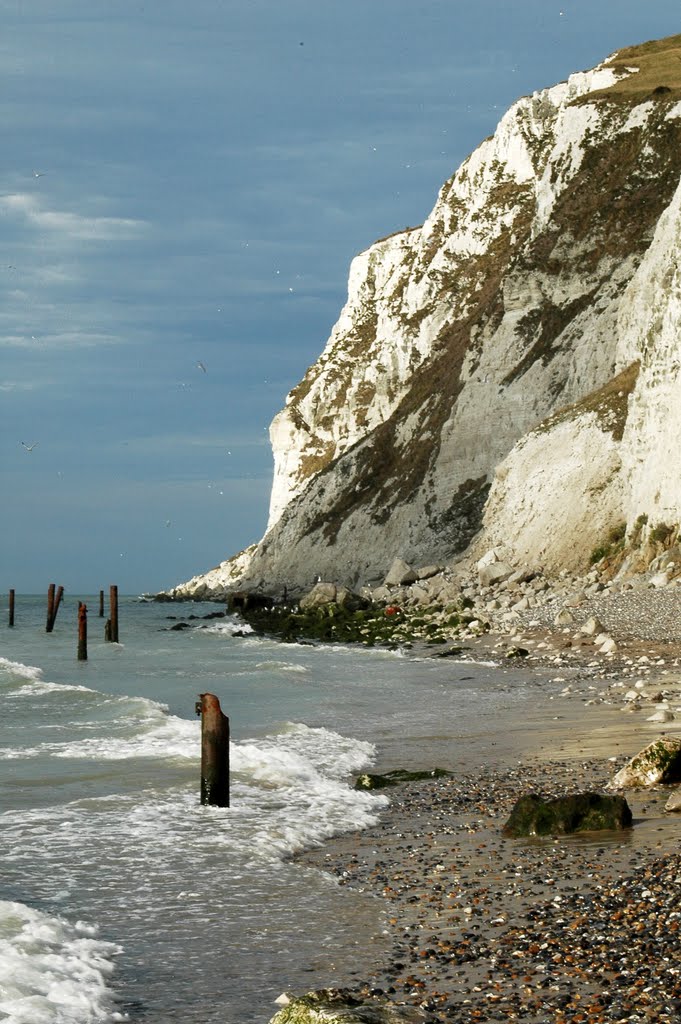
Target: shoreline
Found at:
x=485, y=928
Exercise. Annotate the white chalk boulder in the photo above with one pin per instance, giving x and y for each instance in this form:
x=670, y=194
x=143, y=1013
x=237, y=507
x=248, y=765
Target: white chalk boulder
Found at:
x=659, y=762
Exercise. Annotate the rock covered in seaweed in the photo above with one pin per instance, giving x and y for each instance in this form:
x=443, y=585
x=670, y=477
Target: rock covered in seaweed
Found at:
x=367, y=780
x=659, y=762
x=340, y=1006
x=533, y=815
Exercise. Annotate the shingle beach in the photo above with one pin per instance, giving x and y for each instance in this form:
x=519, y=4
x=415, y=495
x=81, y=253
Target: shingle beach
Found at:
x=481, y=927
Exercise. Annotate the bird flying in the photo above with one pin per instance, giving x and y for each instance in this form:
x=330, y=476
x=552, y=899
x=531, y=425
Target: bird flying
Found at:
x=29, y=447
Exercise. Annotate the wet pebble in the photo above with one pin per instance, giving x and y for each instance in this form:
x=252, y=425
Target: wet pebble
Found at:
x=488, y=929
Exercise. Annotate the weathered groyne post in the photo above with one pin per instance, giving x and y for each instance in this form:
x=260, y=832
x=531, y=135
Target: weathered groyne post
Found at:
x=11, y=608
x=101, y=604
x=57, y=602
x=53, y=602
x=111, y=625
x=50, y=608
x=214, y=751
x=82, y=632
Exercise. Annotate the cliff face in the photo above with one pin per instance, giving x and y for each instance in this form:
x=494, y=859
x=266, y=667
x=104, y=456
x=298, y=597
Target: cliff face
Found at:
x=508, y=371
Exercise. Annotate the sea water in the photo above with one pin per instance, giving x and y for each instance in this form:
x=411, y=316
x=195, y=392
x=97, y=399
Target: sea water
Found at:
x=121, y=897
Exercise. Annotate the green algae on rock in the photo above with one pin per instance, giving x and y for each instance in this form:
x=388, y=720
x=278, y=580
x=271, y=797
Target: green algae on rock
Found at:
x=350, y=618
x=659, y=762
x=340, y=1006
x=532, y=815
x=368, y=781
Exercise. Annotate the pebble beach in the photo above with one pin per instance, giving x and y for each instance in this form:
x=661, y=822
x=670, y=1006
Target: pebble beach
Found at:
x=582, y=928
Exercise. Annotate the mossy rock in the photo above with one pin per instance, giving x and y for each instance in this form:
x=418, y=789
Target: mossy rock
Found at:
x=326, y=623
x=395, y=777
x=658, y=763
x=533, y=815
x=340, y=1006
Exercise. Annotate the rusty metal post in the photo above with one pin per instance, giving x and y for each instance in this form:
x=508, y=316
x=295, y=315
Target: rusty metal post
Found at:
x=101, y=604
x=57, y=602
x=50, y=608
x=113, y=612
x=11, y=607
x=82, y=632
x=53, y=602
x=214, y=751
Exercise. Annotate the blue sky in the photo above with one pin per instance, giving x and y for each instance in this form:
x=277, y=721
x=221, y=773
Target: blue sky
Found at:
x=187, y=183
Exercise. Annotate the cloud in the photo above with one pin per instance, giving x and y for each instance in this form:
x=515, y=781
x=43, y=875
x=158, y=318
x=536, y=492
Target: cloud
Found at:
x=70, y=225
x=61, y=339
x=15, y=385
x=177, y=446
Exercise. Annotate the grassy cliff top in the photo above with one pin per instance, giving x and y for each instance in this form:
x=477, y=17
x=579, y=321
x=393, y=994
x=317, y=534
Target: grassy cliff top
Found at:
x=658, y=74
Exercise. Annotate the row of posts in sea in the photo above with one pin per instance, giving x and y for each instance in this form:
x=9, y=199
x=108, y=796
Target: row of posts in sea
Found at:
x=54, y=599
x=215, y=731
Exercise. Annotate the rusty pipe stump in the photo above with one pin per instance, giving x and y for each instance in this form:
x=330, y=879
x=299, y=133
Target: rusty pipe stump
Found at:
x=113, y=612
x=55, y=608
x=82, y=632
x=50, y=607
x=214, y=751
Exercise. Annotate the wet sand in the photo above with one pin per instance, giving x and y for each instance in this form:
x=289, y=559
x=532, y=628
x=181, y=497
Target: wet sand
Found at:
x=485, y=928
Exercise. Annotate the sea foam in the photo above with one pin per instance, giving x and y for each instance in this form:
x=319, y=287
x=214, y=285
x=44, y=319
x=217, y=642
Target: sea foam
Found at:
x=52, y=971
x=160, y=736
x=300, y=776
x=11, y=671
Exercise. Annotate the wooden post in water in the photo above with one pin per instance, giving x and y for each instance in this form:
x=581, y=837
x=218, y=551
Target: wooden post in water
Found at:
x=214, y=751
x=82, y=632
x=101, y=604
x=113, y=612
x=53, y=602
x=11, y=607
x=50, y=608
x=57, y=602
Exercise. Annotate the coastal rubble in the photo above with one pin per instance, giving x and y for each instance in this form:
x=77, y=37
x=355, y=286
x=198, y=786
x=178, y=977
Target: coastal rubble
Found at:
x=487, y=928
x=568, y=931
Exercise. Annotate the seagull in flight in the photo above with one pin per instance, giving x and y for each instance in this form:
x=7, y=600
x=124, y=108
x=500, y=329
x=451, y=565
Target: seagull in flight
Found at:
x=29, y=447
x=201, y=366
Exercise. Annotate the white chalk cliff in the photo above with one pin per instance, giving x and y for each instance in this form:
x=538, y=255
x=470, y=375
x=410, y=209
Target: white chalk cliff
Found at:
x=509, y=373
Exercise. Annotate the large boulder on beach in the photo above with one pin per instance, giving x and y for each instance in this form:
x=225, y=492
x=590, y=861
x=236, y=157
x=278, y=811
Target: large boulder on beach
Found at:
x=495, y=573
x=533, y=815
x=592, y=627
x=659, y=762
x=444, y=591
x=400, y=574
x=321, y=593
x=426, y=572
x=340, y=1006
x=329, y=593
